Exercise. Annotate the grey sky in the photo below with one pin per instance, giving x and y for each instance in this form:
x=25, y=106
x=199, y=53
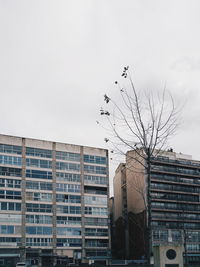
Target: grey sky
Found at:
x=58, y=58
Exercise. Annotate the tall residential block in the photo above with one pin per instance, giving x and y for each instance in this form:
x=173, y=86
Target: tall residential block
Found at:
x=53, y=202
x=175, y=208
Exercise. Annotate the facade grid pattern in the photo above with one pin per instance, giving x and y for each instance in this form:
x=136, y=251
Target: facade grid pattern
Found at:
x=47, y=200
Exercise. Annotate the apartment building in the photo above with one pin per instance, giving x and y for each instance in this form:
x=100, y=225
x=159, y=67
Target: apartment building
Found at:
x=120, y=249
x=175, y=207
x=53, y=202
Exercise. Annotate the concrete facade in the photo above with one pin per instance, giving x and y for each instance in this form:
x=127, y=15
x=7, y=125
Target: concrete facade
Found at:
x=53, y=202
x=162, y=255
x=119, y=184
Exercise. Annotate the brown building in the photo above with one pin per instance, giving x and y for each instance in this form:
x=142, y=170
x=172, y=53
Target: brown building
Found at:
x=129, y=209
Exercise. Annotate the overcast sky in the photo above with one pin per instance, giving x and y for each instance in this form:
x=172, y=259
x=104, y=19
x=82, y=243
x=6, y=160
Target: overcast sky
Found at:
x=58, y=58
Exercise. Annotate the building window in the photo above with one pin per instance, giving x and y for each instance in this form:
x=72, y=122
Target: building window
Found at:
x=175, y=187
x=38, y=230
x=175, y=206
x=10, y=149
x=32, y=207
x=177, y=235
x=10, y=194
x=38, y=174
x=90, y=179
x=96, y=232
x=68, y=242
x=40, y=219
x=96, y=243
x=10, y=206
x=93, y=200
x=96, y=253
x=68, y=220
x=38, y=185
x=10, y=218
x=68, y=156
x=7, y=229
x=38, y=242
x=39, y=163
x=95, y=159
x=68, y=166
x=95, y=190
x=96, y=211
x=73, y=188
x=10, y=183
x=68, y=209
x=68, y=198
x=68, y=177
x=6, y=171
x=95, y=169
x=37, y=196
x=192, y=247
x=37, y=152
x=15, y=240
x=96, y=221
x=10, y=160
x=68, y=231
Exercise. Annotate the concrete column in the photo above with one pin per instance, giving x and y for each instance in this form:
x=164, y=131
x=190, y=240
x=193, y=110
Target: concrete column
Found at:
x=23, y=203
x=54, y=200
x=82, y=205
x=108, y=198
x=40, y=258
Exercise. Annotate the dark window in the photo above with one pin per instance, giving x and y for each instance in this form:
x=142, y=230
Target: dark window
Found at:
x=38, y=174
x=6, y=171
x=31, y=207
x=95, y=190
x=171, y=254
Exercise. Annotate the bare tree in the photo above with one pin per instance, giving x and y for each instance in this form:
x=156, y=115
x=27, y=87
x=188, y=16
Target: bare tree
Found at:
x=142, y=122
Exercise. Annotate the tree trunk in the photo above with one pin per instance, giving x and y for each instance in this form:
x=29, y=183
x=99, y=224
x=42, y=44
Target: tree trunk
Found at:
x=149, y=230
